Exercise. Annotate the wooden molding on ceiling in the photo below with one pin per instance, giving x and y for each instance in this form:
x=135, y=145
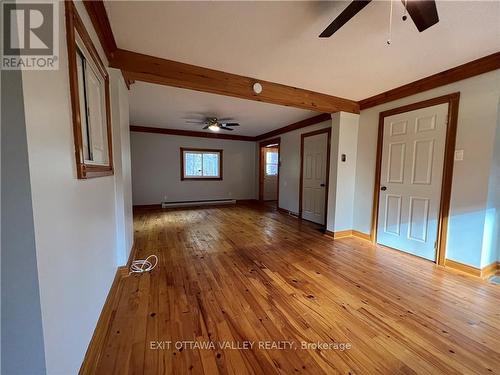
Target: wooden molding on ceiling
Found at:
x=151, y=69
x=189, y=133
x=297, y=125
x=458, y=73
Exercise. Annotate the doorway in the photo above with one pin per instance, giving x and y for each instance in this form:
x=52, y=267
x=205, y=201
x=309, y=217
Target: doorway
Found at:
x=413, y=176
x=269, y=166
x=314, y=171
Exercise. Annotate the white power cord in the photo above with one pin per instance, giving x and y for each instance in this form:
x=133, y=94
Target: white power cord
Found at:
x=143, y=265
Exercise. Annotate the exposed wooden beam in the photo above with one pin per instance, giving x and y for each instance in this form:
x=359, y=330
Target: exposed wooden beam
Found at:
x=458, y=73
x=297, y=125
x=151, y=69
x=182, y=75
x=189, y=133
x=100, y=21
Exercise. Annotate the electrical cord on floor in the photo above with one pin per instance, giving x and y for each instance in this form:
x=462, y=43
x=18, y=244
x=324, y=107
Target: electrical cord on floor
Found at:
x=143, y=265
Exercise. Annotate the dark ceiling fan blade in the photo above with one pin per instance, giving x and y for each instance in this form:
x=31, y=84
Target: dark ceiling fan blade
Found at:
x=205, y=127
x=352, y=9
x=224, y=128
x=230, y=124
x=423, y=13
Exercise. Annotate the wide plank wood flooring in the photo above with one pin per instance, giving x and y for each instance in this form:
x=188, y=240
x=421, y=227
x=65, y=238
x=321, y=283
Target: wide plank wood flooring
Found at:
x=236, y=275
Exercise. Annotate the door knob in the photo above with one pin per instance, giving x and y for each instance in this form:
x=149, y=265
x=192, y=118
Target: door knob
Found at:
x=322, y=185
x=383, y=188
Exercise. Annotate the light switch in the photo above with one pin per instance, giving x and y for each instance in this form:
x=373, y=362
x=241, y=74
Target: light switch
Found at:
x=459, y=155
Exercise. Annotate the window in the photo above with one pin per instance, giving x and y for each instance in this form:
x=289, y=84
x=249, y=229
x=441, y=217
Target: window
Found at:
x=272, y=162
x=89, y=84
x=201, y=164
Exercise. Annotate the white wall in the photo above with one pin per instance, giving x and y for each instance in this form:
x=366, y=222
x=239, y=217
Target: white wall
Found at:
x=343, y=179
x=290, y=166
x=21, y=316
x=491, y=234
x=477, y=121
x=121, y=160
x=156, y=169
x=75, y=220
x=344, y=127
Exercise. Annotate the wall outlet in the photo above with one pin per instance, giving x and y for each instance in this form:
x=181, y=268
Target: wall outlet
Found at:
x=459, y=155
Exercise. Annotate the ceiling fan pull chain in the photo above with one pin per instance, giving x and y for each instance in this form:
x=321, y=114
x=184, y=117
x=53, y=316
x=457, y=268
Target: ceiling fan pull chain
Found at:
x=404, y=12
x=390, y=26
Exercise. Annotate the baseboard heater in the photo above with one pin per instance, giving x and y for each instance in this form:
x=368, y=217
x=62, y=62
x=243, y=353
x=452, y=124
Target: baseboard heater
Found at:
x=211, y=202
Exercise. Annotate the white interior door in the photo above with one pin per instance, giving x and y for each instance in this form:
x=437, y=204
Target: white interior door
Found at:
x=410, y=180
x=271, y=160
x=314, y=177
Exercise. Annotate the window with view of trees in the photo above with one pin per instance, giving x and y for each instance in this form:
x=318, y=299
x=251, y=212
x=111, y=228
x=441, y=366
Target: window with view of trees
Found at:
x=272, y=162
x=201, y=164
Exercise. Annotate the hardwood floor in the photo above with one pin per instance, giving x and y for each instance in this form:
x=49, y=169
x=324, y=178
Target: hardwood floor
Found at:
x=244, y=274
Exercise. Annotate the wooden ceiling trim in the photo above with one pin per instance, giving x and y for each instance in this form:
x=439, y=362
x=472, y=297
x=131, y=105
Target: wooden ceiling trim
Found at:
x=152, y=69
x=473, y=68
x=297, y=125
x=190, y=133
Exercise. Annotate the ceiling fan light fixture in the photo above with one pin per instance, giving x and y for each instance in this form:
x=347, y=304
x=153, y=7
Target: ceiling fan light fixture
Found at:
x=214, y=128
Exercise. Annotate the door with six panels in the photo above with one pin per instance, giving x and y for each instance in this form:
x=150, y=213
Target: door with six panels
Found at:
x=410, y=180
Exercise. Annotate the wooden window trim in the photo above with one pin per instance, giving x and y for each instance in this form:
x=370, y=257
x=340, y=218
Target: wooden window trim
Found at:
x=221, y=163
x=74, y=25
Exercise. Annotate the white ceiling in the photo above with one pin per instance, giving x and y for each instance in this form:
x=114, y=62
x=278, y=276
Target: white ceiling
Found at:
x=168, y=107
x=278, y=41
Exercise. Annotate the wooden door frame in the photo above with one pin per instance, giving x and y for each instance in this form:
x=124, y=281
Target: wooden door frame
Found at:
x=451, y=131
x=262, y=145
x=328, y=131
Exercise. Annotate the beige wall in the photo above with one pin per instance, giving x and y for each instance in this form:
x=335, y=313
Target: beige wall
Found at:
x=477, y=119
x=344, y=129
x=342, y=173
x=156, y=169
x=290, y=166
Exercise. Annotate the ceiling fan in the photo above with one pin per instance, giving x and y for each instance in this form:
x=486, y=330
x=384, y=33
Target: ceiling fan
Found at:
x=423, y=13
x=214, y=124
